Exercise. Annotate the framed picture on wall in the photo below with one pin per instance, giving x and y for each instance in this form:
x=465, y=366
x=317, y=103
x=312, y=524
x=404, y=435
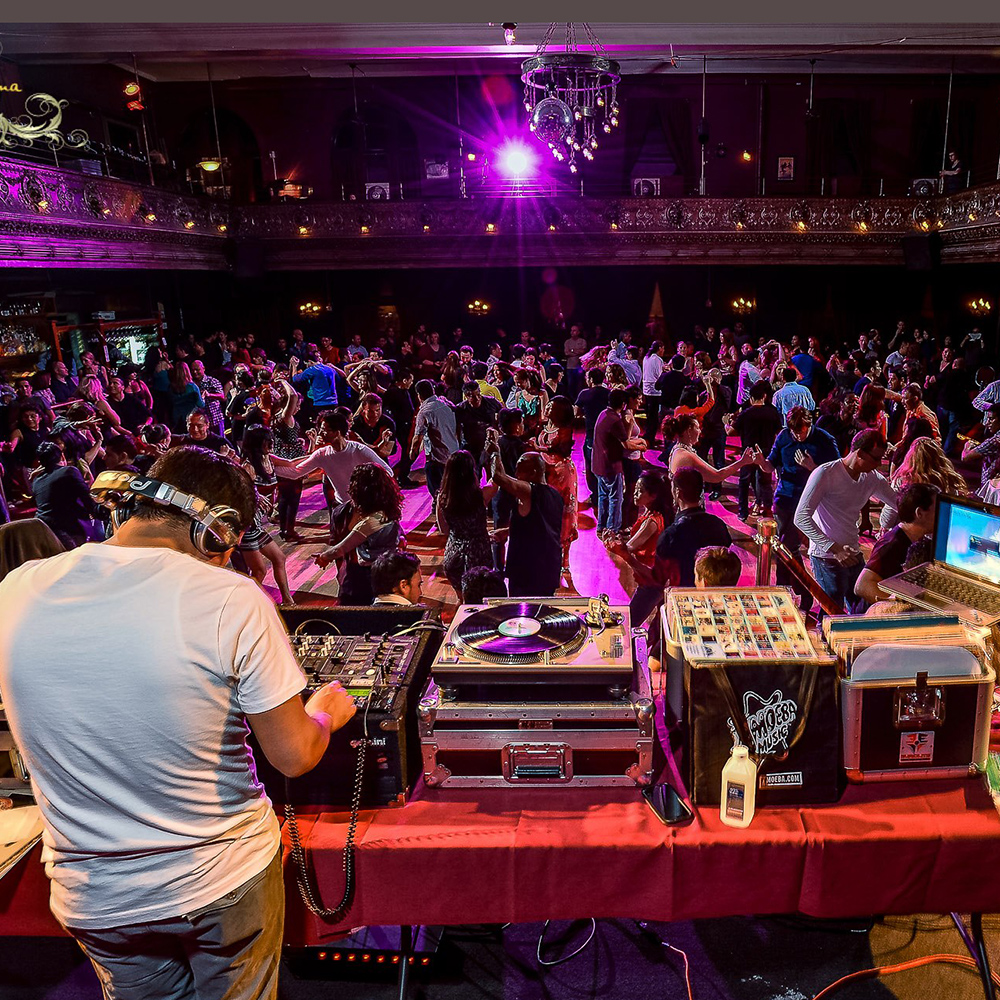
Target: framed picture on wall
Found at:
x=786, y=168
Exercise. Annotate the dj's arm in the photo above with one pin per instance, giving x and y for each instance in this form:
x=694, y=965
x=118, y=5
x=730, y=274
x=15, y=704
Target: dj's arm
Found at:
x=294, y=736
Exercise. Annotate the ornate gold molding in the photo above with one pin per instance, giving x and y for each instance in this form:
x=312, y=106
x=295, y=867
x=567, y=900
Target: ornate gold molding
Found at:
x=61, y=216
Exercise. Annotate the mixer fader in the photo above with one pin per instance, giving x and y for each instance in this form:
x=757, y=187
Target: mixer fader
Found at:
x=369, y=667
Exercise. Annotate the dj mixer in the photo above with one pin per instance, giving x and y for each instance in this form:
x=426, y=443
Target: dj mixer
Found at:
x=371, y=668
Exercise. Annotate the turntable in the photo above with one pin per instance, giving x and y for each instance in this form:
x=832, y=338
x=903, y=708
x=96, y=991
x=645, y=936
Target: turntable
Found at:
x=523, y=645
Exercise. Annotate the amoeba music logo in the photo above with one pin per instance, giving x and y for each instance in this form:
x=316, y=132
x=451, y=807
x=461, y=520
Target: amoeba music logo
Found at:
x=770, y=721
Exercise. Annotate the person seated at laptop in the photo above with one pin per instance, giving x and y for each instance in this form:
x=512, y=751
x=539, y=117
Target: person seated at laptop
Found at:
x=916, y=509
x=396, y=578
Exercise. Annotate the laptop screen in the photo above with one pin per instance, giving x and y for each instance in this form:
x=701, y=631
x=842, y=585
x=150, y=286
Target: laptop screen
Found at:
x=967, y=538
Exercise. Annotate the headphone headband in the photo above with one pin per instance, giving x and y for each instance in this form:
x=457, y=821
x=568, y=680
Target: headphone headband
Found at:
x=213, y=529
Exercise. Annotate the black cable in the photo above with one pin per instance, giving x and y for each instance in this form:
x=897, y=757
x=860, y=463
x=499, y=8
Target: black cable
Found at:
x=310, y=894
x=572, y=954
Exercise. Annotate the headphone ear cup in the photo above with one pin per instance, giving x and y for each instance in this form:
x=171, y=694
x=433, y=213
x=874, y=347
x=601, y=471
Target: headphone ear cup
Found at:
x=206, y=541
x=120, y=514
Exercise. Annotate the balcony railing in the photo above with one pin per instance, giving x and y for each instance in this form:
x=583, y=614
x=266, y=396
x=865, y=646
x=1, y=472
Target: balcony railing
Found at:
x=55, y=217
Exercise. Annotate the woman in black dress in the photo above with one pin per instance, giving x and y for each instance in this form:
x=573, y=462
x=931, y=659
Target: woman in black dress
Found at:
x=461, y=518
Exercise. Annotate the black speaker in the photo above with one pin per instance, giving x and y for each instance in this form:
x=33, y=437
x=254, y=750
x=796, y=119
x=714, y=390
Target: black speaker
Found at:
x=922, y=253
x=245, y=257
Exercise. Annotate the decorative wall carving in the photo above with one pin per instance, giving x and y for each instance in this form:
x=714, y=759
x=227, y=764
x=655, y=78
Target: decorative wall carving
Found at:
x=61, y=218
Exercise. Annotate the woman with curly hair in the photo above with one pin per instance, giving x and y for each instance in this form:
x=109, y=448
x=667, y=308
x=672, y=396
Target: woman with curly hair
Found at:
x=258, y=546
x=927, y=463
x=555, y=443
x=461, y=518
x=681, y=435
x=373, y=528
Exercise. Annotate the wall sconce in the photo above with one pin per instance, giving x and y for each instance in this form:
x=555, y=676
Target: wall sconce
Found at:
x=42, y=204
x=310, y=309
x=746, y=156
x=365, y=230
x=478, y=308
x=303, y=230
x=980, y=307
x=222, y=227
x=210, y=164
x=491, y=227
x=189, y=224
x=743, y=307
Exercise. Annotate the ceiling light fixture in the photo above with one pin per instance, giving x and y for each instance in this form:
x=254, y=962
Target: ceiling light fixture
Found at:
x=509, y=29
x=570, y=95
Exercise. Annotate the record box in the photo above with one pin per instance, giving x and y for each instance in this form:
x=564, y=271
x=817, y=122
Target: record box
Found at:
x=527, y=649
x=747, y=664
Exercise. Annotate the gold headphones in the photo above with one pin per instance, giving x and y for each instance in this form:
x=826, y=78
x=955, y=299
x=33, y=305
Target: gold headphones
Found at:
x=214, y=530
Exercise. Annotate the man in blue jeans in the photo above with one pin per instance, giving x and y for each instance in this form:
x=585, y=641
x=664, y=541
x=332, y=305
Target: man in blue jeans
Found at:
x=611, y=441
x=828, y=513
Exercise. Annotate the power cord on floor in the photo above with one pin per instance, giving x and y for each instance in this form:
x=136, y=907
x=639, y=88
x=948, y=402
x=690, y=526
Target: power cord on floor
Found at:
x=572, y=954
x=680, y=951
x=915, y=963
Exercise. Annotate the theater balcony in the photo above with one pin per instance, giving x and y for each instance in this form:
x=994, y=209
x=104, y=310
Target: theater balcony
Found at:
x=53, y=217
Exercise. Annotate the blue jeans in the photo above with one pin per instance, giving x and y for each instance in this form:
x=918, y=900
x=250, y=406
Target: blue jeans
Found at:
x=837, y=581
x=610, y=492
x=950, y=427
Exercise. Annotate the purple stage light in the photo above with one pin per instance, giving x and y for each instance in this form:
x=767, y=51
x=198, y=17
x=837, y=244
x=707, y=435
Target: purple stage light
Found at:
x=516, y=159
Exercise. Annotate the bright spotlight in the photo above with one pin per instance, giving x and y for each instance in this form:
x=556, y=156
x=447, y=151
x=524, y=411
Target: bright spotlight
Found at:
x=516, y=160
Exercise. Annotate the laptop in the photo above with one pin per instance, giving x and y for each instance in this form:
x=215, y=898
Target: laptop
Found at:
x=963, y=578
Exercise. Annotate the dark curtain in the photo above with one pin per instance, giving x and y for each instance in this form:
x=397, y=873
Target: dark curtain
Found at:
x=675, y=119
x=671, y=115
x=845, y=131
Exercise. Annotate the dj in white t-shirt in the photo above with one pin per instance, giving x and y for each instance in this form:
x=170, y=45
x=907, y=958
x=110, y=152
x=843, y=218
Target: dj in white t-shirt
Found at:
x=129, y=671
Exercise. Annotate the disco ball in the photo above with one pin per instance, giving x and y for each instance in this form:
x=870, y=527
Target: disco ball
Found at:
x=552, y=120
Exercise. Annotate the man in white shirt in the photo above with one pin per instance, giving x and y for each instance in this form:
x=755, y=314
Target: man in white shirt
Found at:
x=829, y=509
x=337, y=456
x=748, y=376
x=161, y=846
x=396, y=579
x=652, y=369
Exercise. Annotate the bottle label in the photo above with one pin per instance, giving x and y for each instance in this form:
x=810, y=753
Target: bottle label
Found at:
x=734, y=800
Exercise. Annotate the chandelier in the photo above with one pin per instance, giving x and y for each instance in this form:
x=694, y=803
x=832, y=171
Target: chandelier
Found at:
x=571, y=96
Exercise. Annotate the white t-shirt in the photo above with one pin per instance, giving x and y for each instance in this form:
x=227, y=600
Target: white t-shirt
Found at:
x=337, y=466
x=126, y=673
x=652, y=369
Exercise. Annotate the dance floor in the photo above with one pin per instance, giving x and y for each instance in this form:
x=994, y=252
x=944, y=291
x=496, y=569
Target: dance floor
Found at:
x=592, y=569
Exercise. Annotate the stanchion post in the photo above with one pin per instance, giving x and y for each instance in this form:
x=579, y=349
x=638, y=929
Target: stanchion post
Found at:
x=766, y=531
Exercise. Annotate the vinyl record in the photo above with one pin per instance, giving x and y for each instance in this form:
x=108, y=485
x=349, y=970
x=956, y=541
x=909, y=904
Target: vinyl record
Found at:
x=519, y=631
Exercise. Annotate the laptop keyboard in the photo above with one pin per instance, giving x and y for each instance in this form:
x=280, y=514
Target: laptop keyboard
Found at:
x=972, y=595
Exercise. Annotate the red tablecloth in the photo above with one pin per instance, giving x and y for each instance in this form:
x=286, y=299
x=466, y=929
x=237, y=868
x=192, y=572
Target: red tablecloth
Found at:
x=526, y=855
x=523, y=855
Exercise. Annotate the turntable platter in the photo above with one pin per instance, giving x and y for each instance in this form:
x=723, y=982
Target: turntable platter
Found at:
x=520, y=632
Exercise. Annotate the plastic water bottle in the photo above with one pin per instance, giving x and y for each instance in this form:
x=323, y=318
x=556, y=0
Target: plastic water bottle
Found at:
x=739, y=788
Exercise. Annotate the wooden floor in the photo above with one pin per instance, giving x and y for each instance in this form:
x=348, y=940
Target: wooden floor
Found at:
x=592, y=569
